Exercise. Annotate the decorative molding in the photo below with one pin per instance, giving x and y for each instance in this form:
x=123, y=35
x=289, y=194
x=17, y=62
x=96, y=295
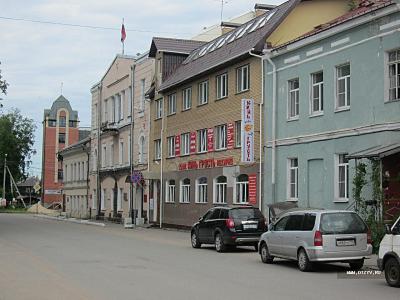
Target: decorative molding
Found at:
x=314, y=51
x=389, y=25
x=292, y=59
x=340, y=42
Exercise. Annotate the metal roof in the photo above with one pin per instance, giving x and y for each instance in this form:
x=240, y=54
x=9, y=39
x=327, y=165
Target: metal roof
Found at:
x=173, y=45
x=376, y=152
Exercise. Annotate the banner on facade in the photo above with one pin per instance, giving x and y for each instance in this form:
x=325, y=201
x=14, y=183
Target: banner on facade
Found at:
x=177, y=145
x=193, y=142
x=230, y=136
x=210, y=139
x=253, y=189
x=247, y=130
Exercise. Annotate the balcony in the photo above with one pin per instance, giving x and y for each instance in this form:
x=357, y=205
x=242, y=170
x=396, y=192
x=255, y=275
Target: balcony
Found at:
x=109, y=127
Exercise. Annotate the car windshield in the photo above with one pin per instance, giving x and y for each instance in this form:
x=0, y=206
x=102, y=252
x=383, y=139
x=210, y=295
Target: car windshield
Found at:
x=342, y=223
x=245, y=214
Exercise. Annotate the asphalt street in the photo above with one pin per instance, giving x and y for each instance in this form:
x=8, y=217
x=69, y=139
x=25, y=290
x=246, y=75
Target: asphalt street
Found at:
x=47, y=259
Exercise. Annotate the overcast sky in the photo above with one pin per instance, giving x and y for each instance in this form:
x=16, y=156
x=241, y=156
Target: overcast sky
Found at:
x=35, y=57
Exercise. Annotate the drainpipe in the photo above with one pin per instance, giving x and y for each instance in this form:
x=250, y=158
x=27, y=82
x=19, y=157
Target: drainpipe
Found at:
x=99, y=154
x=131, y=133
x=161, y=166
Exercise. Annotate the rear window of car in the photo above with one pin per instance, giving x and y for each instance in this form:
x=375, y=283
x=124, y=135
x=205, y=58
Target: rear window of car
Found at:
x=342, y=223
x=245, y=214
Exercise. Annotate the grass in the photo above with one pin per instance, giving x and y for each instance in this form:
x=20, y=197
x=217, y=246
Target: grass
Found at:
x=12, y=210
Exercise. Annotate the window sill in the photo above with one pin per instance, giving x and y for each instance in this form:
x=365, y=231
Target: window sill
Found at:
x=203, y=152
x=220, y=150
x=340, y=109
x=341, y=200
x=202, y=104
x=292, y=119
x=184, y=202
x=172, y=114
x=183, y=155
x=391, y=101
x=317, y=114
x=222, y=98
x=169, y=202
x=241, y=92
x=293, y=200
x=201, y=202
x=170, y=157
x=183, y=110
x=156, y=119
x=243, y=203
x=157, y=159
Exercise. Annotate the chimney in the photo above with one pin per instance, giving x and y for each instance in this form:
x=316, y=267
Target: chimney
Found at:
x=261, y=8
x=228, y=26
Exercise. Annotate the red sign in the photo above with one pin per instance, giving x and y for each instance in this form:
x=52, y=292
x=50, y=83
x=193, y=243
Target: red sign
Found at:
x=210, y=139
x=253, y=189
x=206, y=164
x=230, y=136
x=193, y=142
x=177, y=145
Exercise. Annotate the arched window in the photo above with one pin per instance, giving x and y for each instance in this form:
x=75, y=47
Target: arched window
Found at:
x=242, y=189
x=170, y=191
x=201, y=190
x=185, y=191
x=220, y=186
x=142, y=147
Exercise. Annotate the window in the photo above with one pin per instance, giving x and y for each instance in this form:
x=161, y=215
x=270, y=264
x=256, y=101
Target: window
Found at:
x=220, y=186
x=129, y=100
x=294, y=223
x=317, y=93
x=394, y=75
x=171, y=146
x=170, y=193
x=343, y=87
x=187, y=98
x=202, y=141
x=203, y=92
x=73, y=123
x=242, y=189
x=61, y=138
x=220, y=137
x=215, y=214
x=185, y=191
x=111, y=161
x=121, y=152
x=185, y=143
x=159, y=109
x=142, y=93
x=222, y=86
x=342, y=177
x=238, y=133
x=51, y=123
x=293, y=179
x=113, y=109
x=104, y=156
x=281, y=225
x=62, y=121
x=242, y=79
x=121, y=105
x=157, y=149
x=105, y=109
x=60, y=174
x=293, y=99
x=142, y=147
x=171, y=104
x=201, y=190
x=308, y=222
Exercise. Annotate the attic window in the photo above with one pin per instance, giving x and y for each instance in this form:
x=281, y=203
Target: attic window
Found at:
x=245, y=30
x=256, y=24
x=223, y=41
x=267, y=18
x=203, y=51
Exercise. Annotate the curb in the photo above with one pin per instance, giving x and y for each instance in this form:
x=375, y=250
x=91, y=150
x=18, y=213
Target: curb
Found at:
x=71, y=220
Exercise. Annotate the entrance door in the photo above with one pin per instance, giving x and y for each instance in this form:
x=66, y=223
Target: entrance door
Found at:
x=315, y=182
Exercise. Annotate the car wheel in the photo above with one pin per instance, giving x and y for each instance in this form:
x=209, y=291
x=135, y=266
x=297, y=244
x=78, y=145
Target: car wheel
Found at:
x=303, y=262
x=195, y=240
x=219, y=243
x=356, y=265
x=266, y=258
x=392, y=272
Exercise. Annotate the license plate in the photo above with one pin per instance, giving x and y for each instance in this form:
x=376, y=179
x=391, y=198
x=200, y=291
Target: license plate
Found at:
x=345, y=243
x=250, y=226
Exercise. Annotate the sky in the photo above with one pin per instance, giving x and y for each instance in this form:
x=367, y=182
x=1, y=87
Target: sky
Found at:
x=37, y=58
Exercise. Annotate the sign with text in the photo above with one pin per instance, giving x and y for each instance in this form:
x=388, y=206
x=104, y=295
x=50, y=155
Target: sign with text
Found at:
x=230, y=136
x=206, y=163
x=177, y=145
x=210, y=139
x=247, y=130
x=193, y=142
x=253, y=189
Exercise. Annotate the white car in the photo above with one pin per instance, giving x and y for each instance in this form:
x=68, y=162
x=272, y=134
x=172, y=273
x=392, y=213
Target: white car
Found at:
x=389, y=254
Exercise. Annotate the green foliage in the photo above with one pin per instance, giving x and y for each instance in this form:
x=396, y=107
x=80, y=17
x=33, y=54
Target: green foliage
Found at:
x=3, y=86
x=17, y=138
x=359, y=181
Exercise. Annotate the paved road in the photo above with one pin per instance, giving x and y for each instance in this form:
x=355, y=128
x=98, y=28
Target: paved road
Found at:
x=46, y=259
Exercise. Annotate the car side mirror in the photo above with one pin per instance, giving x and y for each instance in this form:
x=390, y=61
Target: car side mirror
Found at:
x=388, y=229
x=270, y=227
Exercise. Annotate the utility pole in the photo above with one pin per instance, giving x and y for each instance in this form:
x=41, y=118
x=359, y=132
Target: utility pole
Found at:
x=4, y=176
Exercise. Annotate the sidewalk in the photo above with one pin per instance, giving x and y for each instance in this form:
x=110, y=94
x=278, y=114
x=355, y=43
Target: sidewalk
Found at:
x=71, y=220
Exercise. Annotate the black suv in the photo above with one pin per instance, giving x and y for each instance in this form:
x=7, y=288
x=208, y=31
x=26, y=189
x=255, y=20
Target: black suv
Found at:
x=229, y=226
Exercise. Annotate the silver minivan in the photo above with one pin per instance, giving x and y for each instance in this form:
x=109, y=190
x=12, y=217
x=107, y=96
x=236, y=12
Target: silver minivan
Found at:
x=313, y=235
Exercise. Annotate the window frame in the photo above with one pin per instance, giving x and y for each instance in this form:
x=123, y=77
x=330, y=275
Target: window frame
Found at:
x=201, y=195
x=171, y=146
x=291, y=168
x=242, y=82
x=170, y=191
x=346, y=182
x=219, y=86
x=186, y=98
x=390, y=63
x=320, y=86
x=220, y=145
x=202, y=134
x=184, y=191
x=203, y=93
x=159, y=109
x=347, y=91
x=171, y=108
x=241, y=188
x=157, y=149
x=185, y=137
x=62, y=140
x=217, y=187
x=238, y=134
x=296, y=93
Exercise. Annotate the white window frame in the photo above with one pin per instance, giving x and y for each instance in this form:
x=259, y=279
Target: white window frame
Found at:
x=159, y=108
x=111, y=158
x=171, y=146
x=241, y=191
x=121, y=152
x=242, y=79
x=293, y=99
x=320, y=99
x=172, y=104
x=187, y=98
x=202, y=141
x=395, y=78
x=221, y=137
x=203, y=93
x=291, y=167
x=185, y=143
x=157, y=149
x=201, y=191
x=222, y=86
x=347, y=89
x=170, y=191
x=220, y=189
x=338, y=166
x=121, y=105
x=184, y=195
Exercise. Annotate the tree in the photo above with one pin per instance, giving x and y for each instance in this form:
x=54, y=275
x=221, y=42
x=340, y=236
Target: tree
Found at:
x=3, y=86
x=17, y=139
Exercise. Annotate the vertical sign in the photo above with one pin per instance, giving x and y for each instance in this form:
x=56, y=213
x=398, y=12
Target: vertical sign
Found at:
x=230, y=136
x=253, y=189
x=177, y=145
x=247, y=130
x=210, y=139
x=193, y=142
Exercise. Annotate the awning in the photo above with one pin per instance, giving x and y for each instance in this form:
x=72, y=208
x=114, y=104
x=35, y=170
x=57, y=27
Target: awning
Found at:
x=376, y=152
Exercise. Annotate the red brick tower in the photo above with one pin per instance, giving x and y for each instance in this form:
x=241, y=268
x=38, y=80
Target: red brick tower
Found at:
x=60, y=129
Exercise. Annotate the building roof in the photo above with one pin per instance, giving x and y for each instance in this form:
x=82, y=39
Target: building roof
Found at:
x=74, y=146
x=376, y=152
x=83, y=133
x=60, y=102
x=29, y=182
x=364, y=7
x=173, y=45
x=237, y=43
